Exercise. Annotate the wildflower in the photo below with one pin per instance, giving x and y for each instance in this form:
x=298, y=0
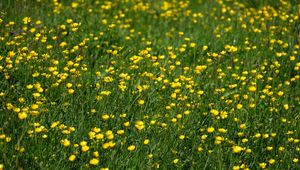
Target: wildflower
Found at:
x=181, y=137
x=22, y=115
x=94, y=161
x=271, y=161
x=126, y=124
x=85, y=148
x=237, y=149
x=192, y=45
x=243, y=126
x=210, y=129
x=280, y=93
x=200, y=92
x=26, y=20
x=139, y=125
x=120, y=132
x=262, y=165
x=199, y=149
x=204, y=48
x=34, y=106
x=239, y=106
x=146, y=141
x=96, y=154
x=72, y=158
x=65, y=142
x=8, y=139
x=235, y=167
x=214, y=112
x=71, y=91
x=252, y=88
x=54, y=124
x=131, y=148
x=21, y=99
x=141, y=102
x=286, y=106
x=69, y=85
x=150, y=156
x=105, y=116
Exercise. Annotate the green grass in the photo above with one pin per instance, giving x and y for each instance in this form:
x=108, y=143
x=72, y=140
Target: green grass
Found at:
x=181, y=68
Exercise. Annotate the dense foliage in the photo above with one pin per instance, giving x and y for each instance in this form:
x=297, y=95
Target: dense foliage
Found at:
x=144, y=84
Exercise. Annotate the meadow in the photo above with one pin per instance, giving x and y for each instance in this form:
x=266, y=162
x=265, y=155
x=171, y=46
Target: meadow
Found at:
x=149, y=84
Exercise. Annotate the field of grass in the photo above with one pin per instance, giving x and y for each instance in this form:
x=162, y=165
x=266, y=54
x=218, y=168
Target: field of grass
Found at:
x=145, y=84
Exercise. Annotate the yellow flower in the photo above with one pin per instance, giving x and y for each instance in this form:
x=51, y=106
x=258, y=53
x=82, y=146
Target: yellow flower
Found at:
x=237, y=149
x=266, y=135
x=192, y=45
x=200, y=92
x=271, y=161
x=141, y=102
x=214, y=112
x=245, y=140
x=99, y=136
x=30, y=86
x=286, y=106
x=71, y=91
x=105, y=116
x=105, y=145
x=181, y=137
x=243, y=126
x=252, y=88
x=85, y=148
x=65, y=142
x=72, y=158
x=280, y=93
x=83, y=143
x=34, y=106
x=21, y=99
x=131, y=148
x=94, y=161
x=120, y=132
x=150, y=156
x=295, y=160
x=269, y=148
x=210, y=129
x=224, y=114
x=262, y=165
x=175, y=161
x=26, y=20
x=200, y=149
x=96, y=154
x=108, y=79
x=239, y=106
x=146, y=141
x=111, y=144
x=69, y=85
x=126, y=124
x=54, y=124
x=235, y=168
x=8, y=139
x=22, y=115
x=139, y=125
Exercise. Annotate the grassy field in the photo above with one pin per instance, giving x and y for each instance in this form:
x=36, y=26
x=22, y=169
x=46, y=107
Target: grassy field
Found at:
x=144, y=84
